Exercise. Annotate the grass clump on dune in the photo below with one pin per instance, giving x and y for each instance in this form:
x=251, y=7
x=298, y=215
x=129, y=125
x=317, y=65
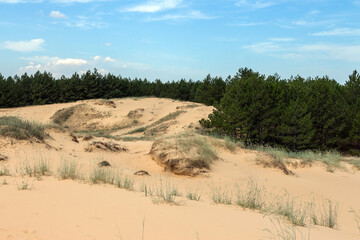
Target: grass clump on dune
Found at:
x=168, y=117
x=4, y=171
x=205, y=153
x=68, y=170
x=21, y=129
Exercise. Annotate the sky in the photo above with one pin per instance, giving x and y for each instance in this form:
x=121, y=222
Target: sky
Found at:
x=180, y=39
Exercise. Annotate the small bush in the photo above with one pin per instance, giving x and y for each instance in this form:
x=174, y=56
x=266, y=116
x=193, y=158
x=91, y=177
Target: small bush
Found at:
x=21, y=129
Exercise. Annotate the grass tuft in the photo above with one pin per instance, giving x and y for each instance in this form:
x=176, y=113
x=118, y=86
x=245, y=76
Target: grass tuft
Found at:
x=21, y=129
x=326, y=215
x=4, y=171
x=253, y=197
x=221, y=196
x=68, y=170
x=193, y=196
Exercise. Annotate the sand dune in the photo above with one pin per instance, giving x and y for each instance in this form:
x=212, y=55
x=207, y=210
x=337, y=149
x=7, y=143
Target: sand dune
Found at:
x=51, y=208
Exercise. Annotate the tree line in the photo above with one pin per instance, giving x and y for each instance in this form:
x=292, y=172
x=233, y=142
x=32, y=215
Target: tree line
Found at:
x=296, y=113
x=43, y=88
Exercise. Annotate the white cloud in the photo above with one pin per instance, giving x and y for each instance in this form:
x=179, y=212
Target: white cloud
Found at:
x=24, y=46
x=108, y=44
x=68, y=66
x=57, y=14
x=155, y=6
x=71, y=61
x=109, y=59
x=97, y=58
x=339, y=32
x=258, y=4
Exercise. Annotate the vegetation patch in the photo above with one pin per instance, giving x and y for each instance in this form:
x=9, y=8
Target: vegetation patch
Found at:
x=21, y=129
x=105, y=146
x=79, y=117
x=136, y=114
x=168, y=117
x=68, y=170
x=184, y=155
x=4, y=171
x=105, y=102
x=272, y=161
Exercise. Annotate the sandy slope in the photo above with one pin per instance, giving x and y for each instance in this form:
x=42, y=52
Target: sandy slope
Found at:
x=66, y=209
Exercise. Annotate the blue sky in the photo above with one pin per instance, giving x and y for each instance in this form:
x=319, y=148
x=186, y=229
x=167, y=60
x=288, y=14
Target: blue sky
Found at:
x=174, y=39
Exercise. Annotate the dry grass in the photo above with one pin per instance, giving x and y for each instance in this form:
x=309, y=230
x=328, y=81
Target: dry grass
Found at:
x=21, y=129
x=204, y=155
x=68, y=170
x=168, y=117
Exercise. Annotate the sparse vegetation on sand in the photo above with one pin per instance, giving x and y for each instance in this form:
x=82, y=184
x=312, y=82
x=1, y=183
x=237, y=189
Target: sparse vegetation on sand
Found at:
x=184, y=155
x=4, y=171
x=299, y=213
x=40, y=168
x=24, y=185
x=163, y=192
x=168, y=117
x=357, y=217
x=284, y=231
x=21, y=129
x=68, y=170
x=325, y=214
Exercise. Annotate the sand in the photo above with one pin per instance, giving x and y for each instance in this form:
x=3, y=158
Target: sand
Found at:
x=51, y=208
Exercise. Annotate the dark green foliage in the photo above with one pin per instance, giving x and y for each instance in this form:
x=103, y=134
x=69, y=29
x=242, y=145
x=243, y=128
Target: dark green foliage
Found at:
x=297, y=114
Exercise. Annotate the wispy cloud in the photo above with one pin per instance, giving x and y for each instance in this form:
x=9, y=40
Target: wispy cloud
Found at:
x=342, y=52
x=85, y=23
x=20, y=1
x=247, y=24
x=155, y=6
x=190, y=15
x=73, y=1
x=24, y=46
x=257, y=4
x=265, y=47
x=57, y=14
x=339, y=32
x=281, y=39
